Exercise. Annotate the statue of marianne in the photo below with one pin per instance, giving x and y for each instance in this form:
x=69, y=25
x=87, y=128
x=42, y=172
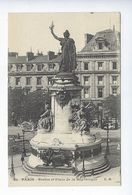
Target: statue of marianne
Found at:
x=68, y=57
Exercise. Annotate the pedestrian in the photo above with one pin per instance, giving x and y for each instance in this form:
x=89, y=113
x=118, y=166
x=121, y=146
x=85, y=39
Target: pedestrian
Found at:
x=18, y=136
x=22, y=158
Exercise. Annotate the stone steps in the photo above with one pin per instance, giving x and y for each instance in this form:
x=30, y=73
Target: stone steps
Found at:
x=45, y=170
x=68, y=171
x=104, y=167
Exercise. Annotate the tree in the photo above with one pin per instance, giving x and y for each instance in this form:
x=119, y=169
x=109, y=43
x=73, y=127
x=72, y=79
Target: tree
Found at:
x=22, y=107
x=112, y=106
x=15, y=104
x=91, y=111
x=34, y=104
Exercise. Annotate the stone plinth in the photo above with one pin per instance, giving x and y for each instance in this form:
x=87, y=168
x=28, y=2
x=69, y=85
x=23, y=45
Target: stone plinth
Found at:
x=64, y=90
x=61, y=148
x=62, y=125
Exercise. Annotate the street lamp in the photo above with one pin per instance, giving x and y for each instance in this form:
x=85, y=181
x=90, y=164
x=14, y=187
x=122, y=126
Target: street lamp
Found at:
x=100, y=114
x=107, y=143
x=23, y=143
x=83, y=158
x=12, y=173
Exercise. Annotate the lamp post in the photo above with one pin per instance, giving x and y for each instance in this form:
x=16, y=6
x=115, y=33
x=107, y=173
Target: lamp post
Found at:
x=100, y=113
x=83, y=158
x=23, y=143
x=12, y=173
x=107, y=142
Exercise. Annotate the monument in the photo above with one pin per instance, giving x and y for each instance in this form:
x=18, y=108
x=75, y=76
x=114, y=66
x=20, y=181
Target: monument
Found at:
x=63, y=144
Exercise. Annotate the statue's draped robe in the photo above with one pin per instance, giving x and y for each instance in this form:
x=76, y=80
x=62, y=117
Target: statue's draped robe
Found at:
x=68, y=57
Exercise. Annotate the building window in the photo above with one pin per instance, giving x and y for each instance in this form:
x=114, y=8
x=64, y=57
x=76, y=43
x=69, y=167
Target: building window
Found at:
x=39, y=67
x=100, y=45
x=114, y=91
x=27, y=91
x=114, y=65
x=10, y=67
x=100, y=80
x=86, y=65
x=51, y=67
x=18, y=81
x=49, y=80
x=86, y=80
x=28, y=81
x=86, y=93
x=18, y=67
x=39, y=81
x=29, y=67
x=114, y=79
x=100, y=92
x=100, y=65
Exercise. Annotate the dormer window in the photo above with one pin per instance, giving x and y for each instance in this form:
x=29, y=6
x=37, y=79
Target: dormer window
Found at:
x=51, y=67
x=39, y=67
x=29, y=67
x=100, y=45
x=10, y=67
x=18, y=67
x=100, y=42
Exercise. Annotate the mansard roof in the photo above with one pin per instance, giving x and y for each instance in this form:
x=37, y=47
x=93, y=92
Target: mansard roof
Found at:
x=111, y=40
x=57, y=59
x=39, y=59
x=17, y=60
x=36, y=59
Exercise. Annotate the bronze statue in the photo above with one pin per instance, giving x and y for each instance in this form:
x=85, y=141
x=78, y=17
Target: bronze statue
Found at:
x=46, y=120
x=80, y=121
x=68, y=56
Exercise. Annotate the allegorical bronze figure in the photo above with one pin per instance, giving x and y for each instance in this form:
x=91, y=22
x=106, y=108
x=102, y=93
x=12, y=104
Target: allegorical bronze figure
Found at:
x=68, y=56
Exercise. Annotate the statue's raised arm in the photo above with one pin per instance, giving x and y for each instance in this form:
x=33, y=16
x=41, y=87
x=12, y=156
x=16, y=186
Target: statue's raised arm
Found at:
x=68, y=55
x=52, y=32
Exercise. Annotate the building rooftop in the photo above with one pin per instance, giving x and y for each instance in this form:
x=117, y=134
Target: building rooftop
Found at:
x=57, y=59
x=110, y=37
x=17, y=59
x=43, y=58
x=14, y=58
x=36, y=59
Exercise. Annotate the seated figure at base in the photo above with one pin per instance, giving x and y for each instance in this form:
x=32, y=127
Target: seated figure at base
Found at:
x=46, y=120
x=80, y=121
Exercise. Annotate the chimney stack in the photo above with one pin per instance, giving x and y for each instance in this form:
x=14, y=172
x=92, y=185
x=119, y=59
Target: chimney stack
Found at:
x=30, y=56
x=51, y=55
x=87, y=38
x=13, y=54
x=39, y=53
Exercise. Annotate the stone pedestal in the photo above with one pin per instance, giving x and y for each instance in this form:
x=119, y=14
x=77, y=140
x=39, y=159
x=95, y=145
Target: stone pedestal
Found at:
x=62, y=145
x=62, y=115
x=64, y=91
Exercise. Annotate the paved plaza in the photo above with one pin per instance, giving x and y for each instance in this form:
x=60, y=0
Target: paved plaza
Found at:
x=113, y=175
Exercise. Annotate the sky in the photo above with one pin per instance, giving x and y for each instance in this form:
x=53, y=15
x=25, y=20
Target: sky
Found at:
x=30, y=31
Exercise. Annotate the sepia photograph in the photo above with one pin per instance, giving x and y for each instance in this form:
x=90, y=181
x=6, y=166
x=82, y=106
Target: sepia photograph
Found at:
x=64, y=99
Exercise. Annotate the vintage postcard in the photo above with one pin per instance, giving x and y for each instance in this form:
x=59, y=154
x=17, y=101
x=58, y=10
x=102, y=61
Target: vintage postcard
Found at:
x=64, y=99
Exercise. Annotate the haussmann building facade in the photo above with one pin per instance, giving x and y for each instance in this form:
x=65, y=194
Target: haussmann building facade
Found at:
x=98, y=67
